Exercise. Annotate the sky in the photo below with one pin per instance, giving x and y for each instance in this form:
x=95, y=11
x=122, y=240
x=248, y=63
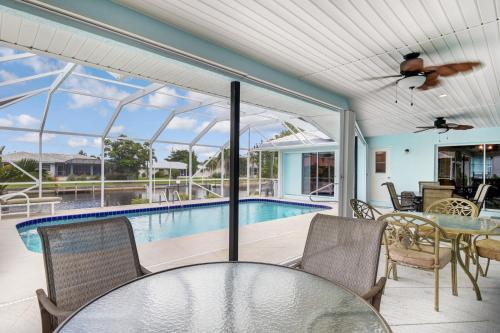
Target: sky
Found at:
x=86, y=114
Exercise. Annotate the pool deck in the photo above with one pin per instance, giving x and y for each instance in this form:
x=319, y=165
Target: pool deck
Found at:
x=407, y=304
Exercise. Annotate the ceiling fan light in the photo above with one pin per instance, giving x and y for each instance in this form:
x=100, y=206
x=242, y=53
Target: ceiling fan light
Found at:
x=411, y=82
x=442, y=96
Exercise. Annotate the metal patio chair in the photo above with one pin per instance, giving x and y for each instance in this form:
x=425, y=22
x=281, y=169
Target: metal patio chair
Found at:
x=414, y=241
x=345, y=251
x=363, y=210
x=82, y=261
x=396, y=204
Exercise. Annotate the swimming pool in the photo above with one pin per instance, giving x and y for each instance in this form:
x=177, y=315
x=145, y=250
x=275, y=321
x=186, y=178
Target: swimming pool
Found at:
x=152, y=224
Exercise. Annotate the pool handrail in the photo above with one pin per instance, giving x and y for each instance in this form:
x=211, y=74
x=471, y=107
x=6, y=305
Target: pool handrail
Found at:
x=319, y=189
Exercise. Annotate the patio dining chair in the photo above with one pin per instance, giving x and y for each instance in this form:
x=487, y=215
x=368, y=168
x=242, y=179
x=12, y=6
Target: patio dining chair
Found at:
x=345, y=251
x=485, y=248
x=414, y=241
x=458, y=207
x=82, y=261
x=480, y=196
x=363, y=210
x=396, y=204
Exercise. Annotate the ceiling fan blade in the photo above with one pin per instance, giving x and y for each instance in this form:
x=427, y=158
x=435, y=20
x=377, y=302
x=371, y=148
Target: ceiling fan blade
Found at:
x=431, y=81
x=385, y=86
x=428, y=127
x=463, y=127
x=380, y=77
x=424, y=129
x=453, y=68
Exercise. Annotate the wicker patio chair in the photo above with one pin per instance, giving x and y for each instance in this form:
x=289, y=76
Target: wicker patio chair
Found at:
x=345, y=251
x=82, y=261
x=432, y=193
x=398, y=207
x=414, y=241
x=363, y=210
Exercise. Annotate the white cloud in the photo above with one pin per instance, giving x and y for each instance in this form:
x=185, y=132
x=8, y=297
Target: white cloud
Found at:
x=93, y=87
x=33, y=137
x=205, y=152
x=161, y=100
x=25, y=120
x=82, y=101
x=97, y=142
x=6, y=76
x=202, y=126
x=183, y=123
x=4, y=51
x=76, y=142
x=6, y=122
x=42, y=65
x=221, y=127
x=117, y=129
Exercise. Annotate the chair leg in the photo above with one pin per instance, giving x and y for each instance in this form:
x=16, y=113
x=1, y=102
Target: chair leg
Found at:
x=436, y=288
x=487, y=267
x=394, y=271
x=454, y=289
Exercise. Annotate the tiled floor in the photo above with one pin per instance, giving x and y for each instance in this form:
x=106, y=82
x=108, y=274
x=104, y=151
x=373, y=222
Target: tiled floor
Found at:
x=407, y=304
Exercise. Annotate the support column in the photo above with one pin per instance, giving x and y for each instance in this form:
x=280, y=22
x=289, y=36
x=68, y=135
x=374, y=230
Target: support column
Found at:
x=346, y=165
x=190, y=173
x=280, y=175
x=150, y=175
x=40, y=165
x=222, y=172
x=102, y=172
x=234, y=168
x=260, y=173
x=248, y=165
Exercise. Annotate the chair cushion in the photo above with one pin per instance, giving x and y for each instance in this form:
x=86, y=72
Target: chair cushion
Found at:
x=421, y=259
x=488, y=248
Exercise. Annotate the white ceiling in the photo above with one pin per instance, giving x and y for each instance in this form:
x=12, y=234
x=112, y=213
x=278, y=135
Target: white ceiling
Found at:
x=37, y=35
x=336, y=43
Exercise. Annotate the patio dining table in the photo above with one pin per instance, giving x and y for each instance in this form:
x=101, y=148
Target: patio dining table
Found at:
x=462, y=226
x=227, y=297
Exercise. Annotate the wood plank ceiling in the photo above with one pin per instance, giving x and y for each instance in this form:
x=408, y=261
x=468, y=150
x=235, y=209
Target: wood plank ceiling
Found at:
x=71, y=45
x=336, y=43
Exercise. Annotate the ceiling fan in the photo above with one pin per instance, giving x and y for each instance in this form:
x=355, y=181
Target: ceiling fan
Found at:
x=440, y=123
x=413, y=74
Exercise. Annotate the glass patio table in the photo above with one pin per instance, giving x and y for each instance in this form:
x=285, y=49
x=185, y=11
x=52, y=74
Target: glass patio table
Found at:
x=227, y=297
x=462, y=226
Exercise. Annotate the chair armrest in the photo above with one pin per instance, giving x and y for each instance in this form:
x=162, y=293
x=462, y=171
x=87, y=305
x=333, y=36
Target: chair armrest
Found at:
x=376, y=289
x=145, y=271
x=50, y=307
x=294, y=263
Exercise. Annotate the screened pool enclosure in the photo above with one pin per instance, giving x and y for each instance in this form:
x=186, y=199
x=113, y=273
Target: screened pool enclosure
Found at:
x=98, y=136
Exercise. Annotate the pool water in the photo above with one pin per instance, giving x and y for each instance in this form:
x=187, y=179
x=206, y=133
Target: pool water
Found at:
x=157, y=225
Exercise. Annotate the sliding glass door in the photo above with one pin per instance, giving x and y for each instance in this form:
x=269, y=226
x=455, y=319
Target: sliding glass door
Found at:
x=467, y=166
x=318, y=173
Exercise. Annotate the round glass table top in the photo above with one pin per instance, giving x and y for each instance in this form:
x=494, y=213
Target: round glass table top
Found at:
x=227, y=297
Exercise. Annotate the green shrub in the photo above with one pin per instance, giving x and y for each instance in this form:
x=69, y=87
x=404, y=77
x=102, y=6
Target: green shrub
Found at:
x=139, y=201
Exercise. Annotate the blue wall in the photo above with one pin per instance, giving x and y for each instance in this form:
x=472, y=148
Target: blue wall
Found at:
x=406, y=169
